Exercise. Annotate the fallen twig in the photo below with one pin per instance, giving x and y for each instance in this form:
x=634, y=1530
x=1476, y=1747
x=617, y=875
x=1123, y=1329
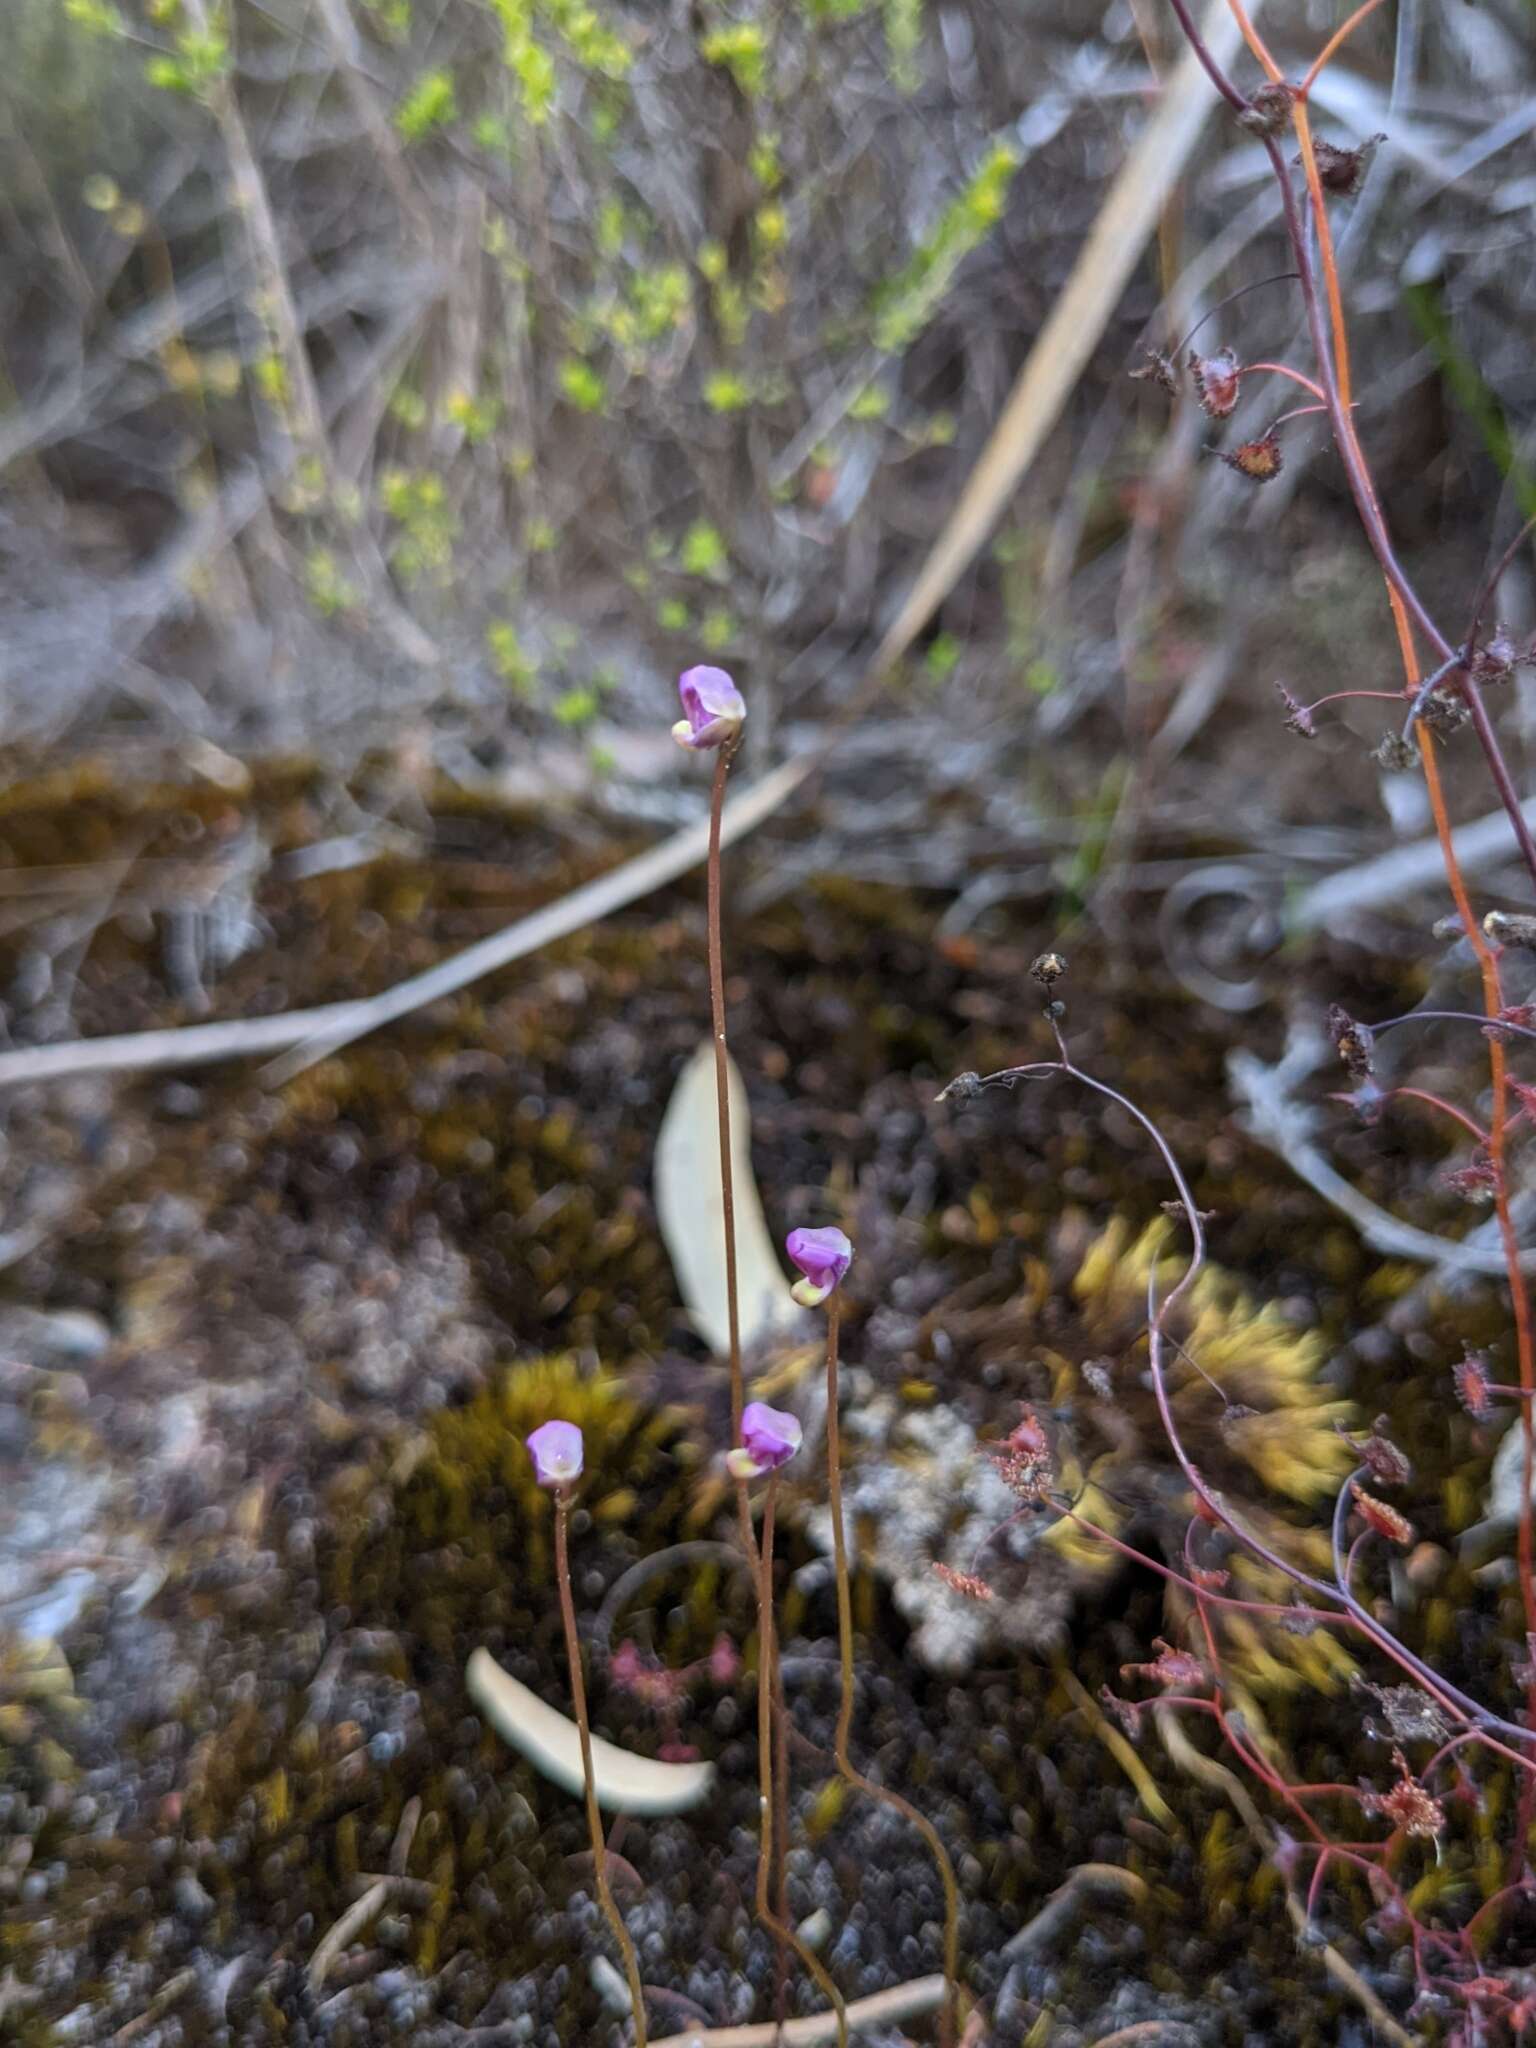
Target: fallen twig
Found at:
x=885, y=2008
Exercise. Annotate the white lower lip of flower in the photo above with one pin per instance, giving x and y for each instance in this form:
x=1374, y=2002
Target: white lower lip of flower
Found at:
x=741, y=1464
x=809, y=1294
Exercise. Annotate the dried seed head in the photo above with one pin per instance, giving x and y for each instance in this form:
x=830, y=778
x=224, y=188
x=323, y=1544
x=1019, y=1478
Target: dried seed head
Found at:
x=1099, y=1374
x=1411, y=1714
x=1158, y=369
x=1268, y=109
x=1260, y=461
x=1218, y=380
x=1297, y=716
x=1445, y=711
x=1048, y=968
x=1511, y=928
x=1381, y=1516
x=1341, y=172
x=1393, y=753
x=1353, y=1042
x=964, y=1088
x=1495, y=661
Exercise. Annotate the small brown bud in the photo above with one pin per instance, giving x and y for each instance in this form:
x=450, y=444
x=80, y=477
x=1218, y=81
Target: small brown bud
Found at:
x=1048, y=968
x=1260, y=461
x=1218, y=379
x=1268, y=109
x=964, y=1088
x=1495, y=661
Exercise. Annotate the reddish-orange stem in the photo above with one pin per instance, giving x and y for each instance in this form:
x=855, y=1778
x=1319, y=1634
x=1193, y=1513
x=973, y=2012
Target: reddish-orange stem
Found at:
x=1330, y=49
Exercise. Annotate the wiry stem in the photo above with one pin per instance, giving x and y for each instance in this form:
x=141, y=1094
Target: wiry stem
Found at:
x=594, y=1817
x=949, y=2014
x=723, y=1080
x=767, y=1657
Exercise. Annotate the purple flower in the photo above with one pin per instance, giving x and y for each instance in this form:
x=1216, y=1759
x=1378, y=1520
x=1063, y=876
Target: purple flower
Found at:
x=555, y=1448
x=714, y=705
x=769, y=1439
x=823, y=1257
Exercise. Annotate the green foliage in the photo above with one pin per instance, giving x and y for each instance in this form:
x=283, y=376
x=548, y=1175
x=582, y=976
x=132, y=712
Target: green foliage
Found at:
x=510, y=659
x=99, y=17
x=576, y=707
x=328, y=589
x=703, y=550
x=199, y=61
x=477, y=418
x=417, y=501
x=1471, y=390
x=429, y=104
x=726, y=392
x=582, y=385
x=904, y=308
x=741, y=47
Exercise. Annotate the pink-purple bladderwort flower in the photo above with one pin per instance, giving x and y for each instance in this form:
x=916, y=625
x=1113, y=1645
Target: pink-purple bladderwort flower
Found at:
x=823, y=1257
x=556, y=1451
x=715, y=708
x=769, y=1439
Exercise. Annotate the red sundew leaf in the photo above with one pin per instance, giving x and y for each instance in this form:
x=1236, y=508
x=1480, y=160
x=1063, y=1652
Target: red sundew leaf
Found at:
x=1381, y=1516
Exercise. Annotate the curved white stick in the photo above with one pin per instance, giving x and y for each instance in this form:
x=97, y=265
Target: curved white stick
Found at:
x=552, y=1744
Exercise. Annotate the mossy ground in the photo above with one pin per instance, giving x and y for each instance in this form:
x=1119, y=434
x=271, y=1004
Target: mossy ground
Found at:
x=339, y=1292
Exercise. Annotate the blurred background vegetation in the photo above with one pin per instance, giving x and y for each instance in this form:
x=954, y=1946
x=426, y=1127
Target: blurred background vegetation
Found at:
x=443, y=375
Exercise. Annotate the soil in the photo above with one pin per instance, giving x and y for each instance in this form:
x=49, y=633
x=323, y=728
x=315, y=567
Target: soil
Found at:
x=269, y=1357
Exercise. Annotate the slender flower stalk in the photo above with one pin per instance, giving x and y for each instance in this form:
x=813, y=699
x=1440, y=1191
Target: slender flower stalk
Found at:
x=556, y=1449
x=767, y=1660
x=949, y=2012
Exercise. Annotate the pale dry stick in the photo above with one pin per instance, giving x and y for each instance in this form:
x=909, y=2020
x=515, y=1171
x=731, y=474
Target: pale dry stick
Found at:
x=1050, y=373
x=884, y=2009
x=356, y=1920
x=949, y=2016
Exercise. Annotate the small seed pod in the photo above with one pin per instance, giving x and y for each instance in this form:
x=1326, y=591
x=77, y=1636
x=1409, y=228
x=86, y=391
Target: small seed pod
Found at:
x=1048, y=968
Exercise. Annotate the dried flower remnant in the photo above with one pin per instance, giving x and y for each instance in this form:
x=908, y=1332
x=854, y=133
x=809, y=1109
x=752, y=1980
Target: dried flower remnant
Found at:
x=966, y=1584
x=1411, y=1714
x=1381, y=1457
x=1408, y=1806
x=1269, y=108
x=769, y=1438
x=713, y=705
x=1341, y=172
x=1048, y=968
x=1473, y=1387
x=1024, y=1459
x=1445, y=711
x=1353, y=1041
x=1477, y=1182
x=1158, y=369
x=1381, y=1516
x=1497, y=659
x=556, y=1451
x=1511, y=928
x=1259, y=460
x=823, y=1257
x=1298, y=717
x=1218, y=381
x=1170, y=1668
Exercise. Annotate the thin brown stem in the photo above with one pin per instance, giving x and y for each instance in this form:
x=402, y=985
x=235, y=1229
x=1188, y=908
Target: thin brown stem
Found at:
x=949, y=2012
x=767, y=1656
x=594, y=1817
x=723, y=1078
